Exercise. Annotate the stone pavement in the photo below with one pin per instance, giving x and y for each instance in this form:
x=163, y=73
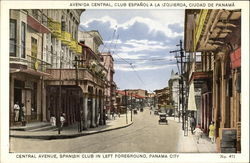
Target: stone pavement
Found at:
x=188, y=144
x=72, y=131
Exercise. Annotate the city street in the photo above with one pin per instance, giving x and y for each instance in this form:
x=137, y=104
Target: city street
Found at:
x=145, y=135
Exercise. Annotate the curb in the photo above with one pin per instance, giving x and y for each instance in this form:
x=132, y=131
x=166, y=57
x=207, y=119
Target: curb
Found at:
x=52, y=137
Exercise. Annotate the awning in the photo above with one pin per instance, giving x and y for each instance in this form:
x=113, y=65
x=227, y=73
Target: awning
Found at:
x=36, y=25
x=30, y=71
x=191, y=98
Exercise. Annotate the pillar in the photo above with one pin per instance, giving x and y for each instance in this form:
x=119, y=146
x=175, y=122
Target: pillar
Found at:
x=85, y=111
x=44, y=111
x=101, y=111
x=97, y=110
x=93, y=112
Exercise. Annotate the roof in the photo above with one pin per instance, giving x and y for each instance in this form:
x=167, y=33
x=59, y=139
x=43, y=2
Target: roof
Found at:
x=127, y=93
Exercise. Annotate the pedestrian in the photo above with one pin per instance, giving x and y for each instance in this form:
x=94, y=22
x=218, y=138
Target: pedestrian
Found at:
x=192, y=124
x=211, y=132
x=198, y=132
x=16, y=110
x=62, y=120
x=23, y=114
x=52, y=120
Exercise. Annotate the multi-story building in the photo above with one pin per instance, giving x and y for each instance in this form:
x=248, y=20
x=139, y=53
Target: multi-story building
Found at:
x=29, y=31
x=50, y=72
x=151, y=99
x=174, y=85
x=63, y=48
x=164, y=100
x=215, y=35
x=108, y=62
x=128, y=101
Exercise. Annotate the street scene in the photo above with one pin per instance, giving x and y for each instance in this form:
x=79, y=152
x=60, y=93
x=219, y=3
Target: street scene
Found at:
x=148, y=81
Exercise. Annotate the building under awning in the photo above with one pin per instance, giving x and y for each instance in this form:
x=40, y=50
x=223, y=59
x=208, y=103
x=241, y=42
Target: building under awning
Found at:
x=191, y=98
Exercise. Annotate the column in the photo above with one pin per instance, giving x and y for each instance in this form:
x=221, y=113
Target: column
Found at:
x=101, y=111
x=93, y=112
x=97, y=110
x=85, y=111
x=39, y=100
x=44, y=111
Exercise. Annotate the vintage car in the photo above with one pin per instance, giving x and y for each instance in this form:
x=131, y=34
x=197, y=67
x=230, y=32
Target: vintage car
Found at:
x=163, y=118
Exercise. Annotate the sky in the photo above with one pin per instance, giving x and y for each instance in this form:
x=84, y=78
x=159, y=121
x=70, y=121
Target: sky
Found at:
x=140, y=42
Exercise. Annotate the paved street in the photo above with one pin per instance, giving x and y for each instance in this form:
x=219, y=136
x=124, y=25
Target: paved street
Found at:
x=145, y=135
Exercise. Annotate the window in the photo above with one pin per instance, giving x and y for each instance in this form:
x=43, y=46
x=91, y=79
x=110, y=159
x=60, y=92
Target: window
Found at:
x=33, y=47
x=13, y=37
x=35, y=13
x=63, y=27
x=23, y=37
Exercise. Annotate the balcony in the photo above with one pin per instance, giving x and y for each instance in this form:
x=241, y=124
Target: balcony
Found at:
x=29, y=65
x=196, y=72
x=199, y=25
x=73, y=45
x=69, y=76
x=55, y=27
x=66, y=38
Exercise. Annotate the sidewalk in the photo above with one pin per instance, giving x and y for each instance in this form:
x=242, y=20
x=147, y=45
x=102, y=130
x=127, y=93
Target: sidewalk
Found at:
x=72, y=131
x=188, y=144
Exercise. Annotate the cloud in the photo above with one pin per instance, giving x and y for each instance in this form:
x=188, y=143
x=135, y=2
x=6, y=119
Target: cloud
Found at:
x=150, y=26
x=128, y=56
x=142, y=45
x=176, y=28
x=142, y=68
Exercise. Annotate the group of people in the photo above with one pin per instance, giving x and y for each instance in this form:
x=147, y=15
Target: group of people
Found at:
x=20, y=113
x=62, y=120
x=196, y=129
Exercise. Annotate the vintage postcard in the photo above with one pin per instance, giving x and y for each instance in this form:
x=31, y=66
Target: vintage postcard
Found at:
x=124, y=81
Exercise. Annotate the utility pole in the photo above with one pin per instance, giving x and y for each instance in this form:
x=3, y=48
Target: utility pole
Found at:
x=60, y=95
x=182, y=84
x=126, y=104
x=131, y=105
x=77, y=83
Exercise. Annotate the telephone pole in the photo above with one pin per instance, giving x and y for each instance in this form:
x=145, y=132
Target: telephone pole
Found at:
x=131, y=105
x=183, y=111
x=126, y=104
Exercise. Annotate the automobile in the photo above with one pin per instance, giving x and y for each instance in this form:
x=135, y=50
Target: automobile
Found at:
x=155, y=112
x=141, y=110
x=135, y=111
x=163, y=118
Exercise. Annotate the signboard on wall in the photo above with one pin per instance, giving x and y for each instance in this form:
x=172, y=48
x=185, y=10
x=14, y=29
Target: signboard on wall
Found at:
x=235, y=57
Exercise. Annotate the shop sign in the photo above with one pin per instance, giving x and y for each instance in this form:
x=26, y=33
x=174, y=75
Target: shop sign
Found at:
x=235, y=57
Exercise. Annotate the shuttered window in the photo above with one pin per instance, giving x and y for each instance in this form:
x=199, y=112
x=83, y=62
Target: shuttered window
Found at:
x=13, y=37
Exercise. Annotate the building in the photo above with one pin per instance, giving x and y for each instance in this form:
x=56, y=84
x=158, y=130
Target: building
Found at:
x=110, y=95
x=164, y=101
x=62, y=92
x=139, y=92
x=174, y=85
x=215, y=35
x=128, y=101
x=51, y=72
x=151, y=99
x=34, y=48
